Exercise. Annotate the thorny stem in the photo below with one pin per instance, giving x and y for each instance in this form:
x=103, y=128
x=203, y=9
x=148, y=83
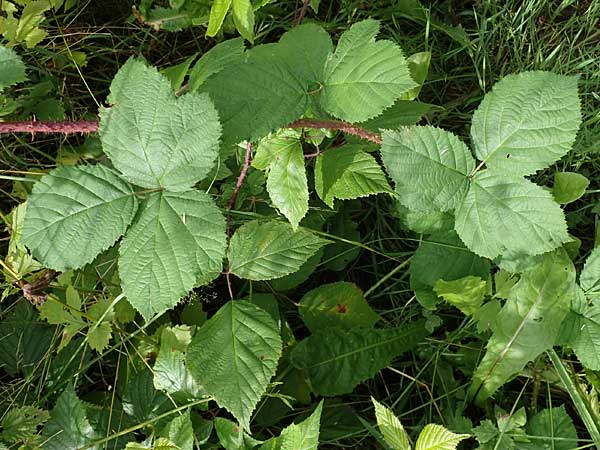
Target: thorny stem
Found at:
x=91, y=126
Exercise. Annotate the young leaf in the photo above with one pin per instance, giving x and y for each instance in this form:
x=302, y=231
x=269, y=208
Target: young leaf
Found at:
x=177, y=243
x=527, y=122
x=465, y=293
x=337, y=360
x=68, y=427
x=363, y=77
x=216, y=59
x=74, y=213
x=218, y=11
x=590, y=275
x=552, y=429
x=27, y=27
x=12, y=68
x=304, y=435
x=243, y=18
x=339, y=304
x=430, y=167
x=436, y=437
x=528, y=323
x=234, y=355
x=155, y=139
x=267, y=250
x=287, y=185
x=346, y=173
x=392, y=430
x=568, y=187
x=503, y=213
x=19, y=424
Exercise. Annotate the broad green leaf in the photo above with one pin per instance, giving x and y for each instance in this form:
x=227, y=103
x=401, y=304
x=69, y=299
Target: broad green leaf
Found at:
x=551, y=428
x=74, y=213
x=340, y=304
x=392, y=430
x=176, y=74
x=486, y=315
x=581, y=330
x=141, y=401
x=568, y=187
x=177, y=243
x=12, y=68
x=337, y=360
x=216, y=59
x=256, y=95
x=234, y=355
x=268, y=250
x=218, y=11
x=425, y=222
x=430, y=167
x=232, y=437
x=528, y=323
x=363, y=76
x=418, y=65
x=465, y=293
x=402, y=113
x=304, y=435
x=19, y=424
x=179, y=431
x=346, y=173
x=170, y=371
x=243, y=18
x=287, y=185
x=504, y=213
x=271, y=147
x=68, y=427
x=436, y=437
x=527, y=122
x=300, y=276
x=590, y=275
x=155, y=139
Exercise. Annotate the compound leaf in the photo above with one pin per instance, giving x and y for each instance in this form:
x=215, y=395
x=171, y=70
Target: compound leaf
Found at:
x=12, y=68
x=430, y=167
x=508, y=213
x=234, y=355
x=363, y=76
x=337, y=360
x=528, y=323
x=268, y=250
x=346, y=173
x=155, y=139
x=392, y=430
x=177, y=243
x=74, y=213
x=527, y=122
x=436, y=437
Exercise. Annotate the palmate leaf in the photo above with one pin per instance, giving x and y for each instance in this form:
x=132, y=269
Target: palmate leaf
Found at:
x=436, y=437
x=528, y=323
x=346, y=173
x=363, y=76
x=12, y=68
x=74, y=213
x=268, y=250
x=177, y=243
x=234, y=355
x=155, y=139
x=430, y=167
x=337, y=360
x=504, y=213
x=527, y=122
x=392, y=430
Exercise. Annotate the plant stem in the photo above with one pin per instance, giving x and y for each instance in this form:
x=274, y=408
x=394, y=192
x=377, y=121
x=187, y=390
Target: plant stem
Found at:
x=302, y=12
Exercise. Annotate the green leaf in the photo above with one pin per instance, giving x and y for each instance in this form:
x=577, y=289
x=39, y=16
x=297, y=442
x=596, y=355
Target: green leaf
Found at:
x=582, y=330
x=270, y=147
x=267, y=250
x=27, y=27
x=430, y=167
x=337, y=360
x=12, y=68
x=19, y=424
x=216, y=59
x=218, y=11
x=590, y=275
x=304, y=435
x=568, y=187
x=363, y=77
x=402, y=113
x=418, y=65
x=155, y=139
x=232, y=437
x=141, y=401
x=243, y=18
x=297, y=278
x=436, y=437
x=552, y=429
x=234, y=355
x=486, y=315
x=177, y=243
x=424, y=222
x=528, y=323
x=68, y=427
x=504, y=213
x=87, y=205
x=527, y=122
x=392, y=430
x=346, y=173
x=465, y=293
x=287, y=185
x=176, y=74
x=340, y=304
x=179, y=431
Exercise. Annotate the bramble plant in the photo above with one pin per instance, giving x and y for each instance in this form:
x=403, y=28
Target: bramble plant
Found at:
x=313, y=125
